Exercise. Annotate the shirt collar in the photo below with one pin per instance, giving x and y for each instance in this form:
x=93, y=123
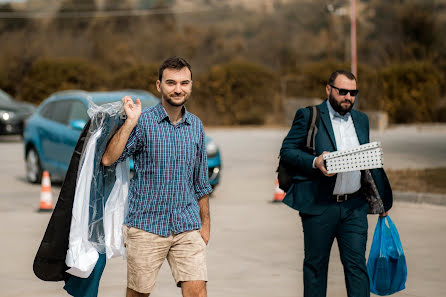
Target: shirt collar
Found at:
x=162, y=115
x=334, y=114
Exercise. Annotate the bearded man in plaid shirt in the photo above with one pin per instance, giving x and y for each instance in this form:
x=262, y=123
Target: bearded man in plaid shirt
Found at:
x=168, y=214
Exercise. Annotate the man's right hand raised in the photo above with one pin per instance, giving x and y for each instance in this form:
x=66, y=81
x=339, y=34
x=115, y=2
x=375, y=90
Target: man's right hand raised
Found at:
x=117, y=144
x=132, y=110
x=319, y=163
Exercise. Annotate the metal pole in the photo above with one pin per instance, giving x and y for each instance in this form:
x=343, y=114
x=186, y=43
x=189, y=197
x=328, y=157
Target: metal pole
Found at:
x=353, y=36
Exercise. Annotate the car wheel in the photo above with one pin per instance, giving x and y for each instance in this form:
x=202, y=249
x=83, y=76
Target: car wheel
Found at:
x=33, y=169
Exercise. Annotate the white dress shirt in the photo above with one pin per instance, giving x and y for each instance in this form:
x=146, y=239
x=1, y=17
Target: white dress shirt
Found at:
x=346, y=138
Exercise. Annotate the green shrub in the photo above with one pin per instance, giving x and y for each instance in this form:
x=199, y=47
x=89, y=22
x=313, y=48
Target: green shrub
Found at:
x=440, y=114
x=50, y=75
x=310, y=79
x=313, y=78
x=410, y=91
x=138, y=77
x=238, y=93
x=369, y=88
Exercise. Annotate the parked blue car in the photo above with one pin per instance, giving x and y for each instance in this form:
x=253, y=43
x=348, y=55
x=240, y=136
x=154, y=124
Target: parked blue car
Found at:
x=52, y=132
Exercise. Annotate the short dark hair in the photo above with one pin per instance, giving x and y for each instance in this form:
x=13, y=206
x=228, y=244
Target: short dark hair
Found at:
x=173, y=63
x=335, y=74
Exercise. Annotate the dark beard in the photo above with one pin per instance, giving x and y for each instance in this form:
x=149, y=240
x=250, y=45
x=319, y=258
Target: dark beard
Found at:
x=171, y=102
x=338, y=107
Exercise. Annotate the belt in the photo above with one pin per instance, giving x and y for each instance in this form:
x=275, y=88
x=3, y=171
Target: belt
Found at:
x=344, y=197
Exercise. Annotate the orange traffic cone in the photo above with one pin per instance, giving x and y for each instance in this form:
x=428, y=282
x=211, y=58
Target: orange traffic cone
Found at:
x=46, y=196
x=279, y=194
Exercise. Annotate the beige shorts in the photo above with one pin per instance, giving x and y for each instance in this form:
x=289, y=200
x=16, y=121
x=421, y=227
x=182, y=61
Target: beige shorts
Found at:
x=146, y=252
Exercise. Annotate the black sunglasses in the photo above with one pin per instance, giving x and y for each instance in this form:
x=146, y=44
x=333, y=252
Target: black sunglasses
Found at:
x=344, y=92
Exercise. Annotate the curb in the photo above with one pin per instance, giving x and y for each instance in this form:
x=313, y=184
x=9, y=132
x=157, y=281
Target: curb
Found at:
x=429, y=198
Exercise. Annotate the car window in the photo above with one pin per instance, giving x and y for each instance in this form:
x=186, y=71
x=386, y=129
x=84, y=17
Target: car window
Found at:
x=48, y=110
x=57, y=111
x=78, y=111
x=4, y=97
x=148, y=103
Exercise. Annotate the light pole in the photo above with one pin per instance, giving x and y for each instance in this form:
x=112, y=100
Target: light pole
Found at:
x=353, y=51
x=354, y=67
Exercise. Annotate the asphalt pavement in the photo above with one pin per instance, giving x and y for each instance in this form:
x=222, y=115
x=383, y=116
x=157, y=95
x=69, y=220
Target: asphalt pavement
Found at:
x=256, y=246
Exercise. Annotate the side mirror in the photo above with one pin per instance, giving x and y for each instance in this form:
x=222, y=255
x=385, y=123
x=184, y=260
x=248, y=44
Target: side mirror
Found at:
x=77, y=124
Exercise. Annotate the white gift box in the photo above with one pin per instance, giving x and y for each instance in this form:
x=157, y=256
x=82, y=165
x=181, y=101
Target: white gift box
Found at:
x=366, y=156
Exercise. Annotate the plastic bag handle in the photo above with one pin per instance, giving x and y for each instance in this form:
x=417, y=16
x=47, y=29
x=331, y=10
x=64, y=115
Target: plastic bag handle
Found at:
x=382, y=230
x=395, y=235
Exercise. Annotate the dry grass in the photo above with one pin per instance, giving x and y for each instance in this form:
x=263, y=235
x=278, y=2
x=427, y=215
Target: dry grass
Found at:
x=418, y=180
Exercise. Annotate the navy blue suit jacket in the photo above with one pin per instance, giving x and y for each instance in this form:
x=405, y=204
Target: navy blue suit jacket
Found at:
x=311, y=191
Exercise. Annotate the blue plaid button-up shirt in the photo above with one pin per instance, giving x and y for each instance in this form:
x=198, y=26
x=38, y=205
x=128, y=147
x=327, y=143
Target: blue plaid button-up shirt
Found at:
x=170, y=172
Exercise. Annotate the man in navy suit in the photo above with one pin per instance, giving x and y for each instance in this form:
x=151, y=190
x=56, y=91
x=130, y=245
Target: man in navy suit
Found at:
x=334, y=205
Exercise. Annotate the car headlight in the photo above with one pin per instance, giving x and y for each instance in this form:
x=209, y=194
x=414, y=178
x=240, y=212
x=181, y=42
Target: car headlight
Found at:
x=6, y=115
x=211, y=149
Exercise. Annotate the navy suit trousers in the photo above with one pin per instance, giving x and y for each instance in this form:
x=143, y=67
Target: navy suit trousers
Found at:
x=347, y=222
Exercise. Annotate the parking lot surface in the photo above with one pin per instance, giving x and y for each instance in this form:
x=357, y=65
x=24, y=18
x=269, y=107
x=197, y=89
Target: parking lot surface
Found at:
x=256, y=246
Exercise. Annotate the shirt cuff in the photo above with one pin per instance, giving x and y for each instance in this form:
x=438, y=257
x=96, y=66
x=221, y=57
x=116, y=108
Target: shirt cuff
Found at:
x=314, y=160
x=202, y=191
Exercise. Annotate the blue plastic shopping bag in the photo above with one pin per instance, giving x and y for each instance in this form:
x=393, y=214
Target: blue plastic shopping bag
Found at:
x=386, y=264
